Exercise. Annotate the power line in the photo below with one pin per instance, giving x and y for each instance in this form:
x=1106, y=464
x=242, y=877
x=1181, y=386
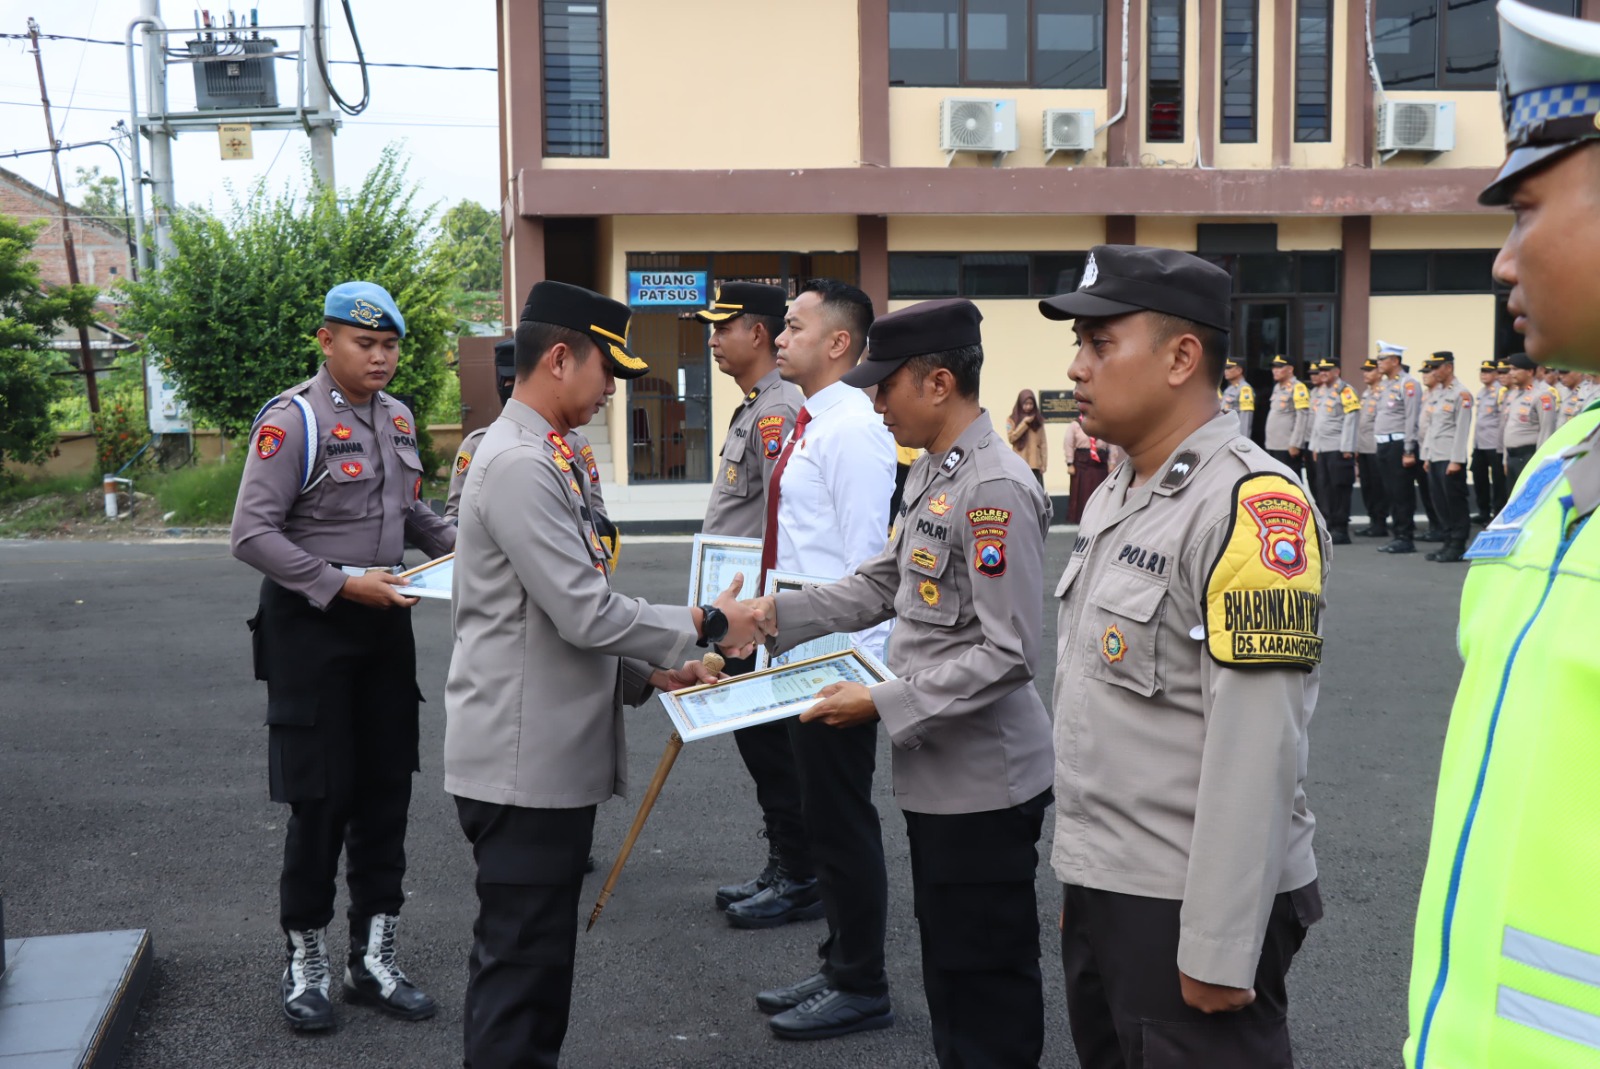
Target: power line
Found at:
x=355, y=123
x=339, y=62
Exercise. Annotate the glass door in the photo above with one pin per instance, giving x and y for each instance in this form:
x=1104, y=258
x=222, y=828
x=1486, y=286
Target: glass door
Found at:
x=1261, y=330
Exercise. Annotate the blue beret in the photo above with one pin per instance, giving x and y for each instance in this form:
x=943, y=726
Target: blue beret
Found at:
x=363, y=304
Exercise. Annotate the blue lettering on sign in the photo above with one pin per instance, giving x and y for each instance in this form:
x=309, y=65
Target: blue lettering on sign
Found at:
x=658, y=289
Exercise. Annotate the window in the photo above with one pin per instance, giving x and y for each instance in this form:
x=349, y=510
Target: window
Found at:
x=1313, y=71
x=1443, y=271
x=1240, y=29
x=1165, y=65
x=574, y=78
x=1442, y=44
x=920, y=275
x=1057, y=44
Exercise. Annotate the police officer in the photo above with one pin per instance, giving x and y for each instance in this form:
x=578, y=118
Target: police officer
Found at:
x=746, y=319
x=546, y=655
x=1446, y=451
x=1373, y=494
x=970, y=735
x=1288, y=415
x=1238, y=396
x=1398, y=394
x=1335, y=424
x=1503, y=964
x=1579, y=392
x=329, y=499
x=1530, y=407
x=1185, y=851
x=1319, y=389
x=1415, y=471
x=1488, y=470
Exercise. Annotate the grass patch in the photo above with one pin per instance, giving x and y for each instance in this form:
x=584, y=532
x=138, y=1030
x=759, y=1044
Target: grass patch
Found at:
x=12, y=493
x=200, y=495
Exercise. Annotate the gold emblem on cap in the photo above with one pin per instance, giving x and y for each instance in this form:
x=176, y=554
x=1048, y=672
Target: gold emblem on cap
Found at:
x=621, y=356
x=366, y=312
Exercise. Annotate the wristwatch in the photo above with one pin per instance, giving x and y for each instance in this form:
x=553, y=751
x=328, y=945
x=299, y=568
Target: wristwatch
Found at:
x=713, y=625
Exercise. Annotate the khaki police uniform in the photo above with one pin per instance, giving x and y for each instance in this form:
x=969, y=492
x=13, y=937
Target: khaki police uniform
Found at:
x=1417, y=474
x=1288, y=422
x=1335, y=424
x=1397, y=396
x=1240, y=399
x=1374, y=495
x=585, y=466
x=1576, y=400
x=1530, y=419
x=1488, y=442
x=1449, y=441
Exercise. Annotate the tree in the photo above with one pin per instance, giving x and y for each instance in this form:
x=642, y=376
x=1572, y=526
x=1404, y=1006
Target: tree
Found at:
x=469, y=243
x=100, y=195
x=29, y=316
x=235, y=310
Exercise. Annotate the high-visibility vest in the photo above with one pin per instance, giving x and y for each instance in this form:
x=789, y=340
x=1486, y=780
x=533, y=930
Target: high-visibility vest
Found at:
x=1506, y=967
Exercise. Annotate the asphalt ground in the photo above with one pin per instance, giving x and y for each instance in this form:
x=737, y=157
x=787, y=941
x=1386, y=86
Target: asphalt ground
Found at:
x=133, y=794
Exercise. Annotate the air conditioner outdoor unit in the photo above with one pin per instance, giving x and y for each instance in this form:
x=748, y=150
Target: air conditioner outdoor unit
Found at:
x=1068, y=130
x=1416, y=126
x=968, y=124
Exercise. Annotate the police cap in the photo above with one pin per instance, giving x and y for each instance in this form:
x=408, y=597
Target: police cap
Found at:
x=929, y=327
x=363, y=304
x=1490, y=365
x=587, y=312
x=734, y=299
x=1282, y=361
x=1119, y=279
x=1522, y=361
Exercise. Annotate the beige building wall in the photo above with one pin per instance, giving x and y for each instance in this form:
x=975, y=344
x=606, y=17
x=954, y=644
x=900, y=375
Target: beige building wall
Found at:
x=995, y=233
x=1461, y=323
x=1440, y=231
x=1330, y=153
x=1480, y=131
x=701, y=84
x=914, y=130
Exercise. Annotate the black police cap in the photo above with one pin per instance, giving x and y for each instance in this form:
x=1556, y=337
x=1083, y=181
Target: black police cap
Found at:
x=585, y=311
x=1523, y=361
x=505, y=357
x=1443, y=356
x=735, y=299
x=1119, y=279
x=929, y=327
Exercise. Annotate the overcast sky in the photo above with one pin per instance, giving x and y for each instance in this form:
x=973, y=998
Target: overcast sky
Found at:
x=446, y=121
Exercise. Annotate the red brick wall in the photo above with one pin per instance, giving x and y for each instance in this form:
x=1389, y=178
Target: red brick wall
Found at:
x=102, y=251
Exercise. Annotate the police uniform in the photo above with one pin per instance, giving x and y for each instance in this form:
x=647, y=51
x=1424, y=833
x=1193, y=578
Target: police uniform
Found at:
x=1530, y=418
x=970, y=736
x=1288, y=419
x=1240, y=399
x=546, y=655
x=1373, y=494
x=1417, y=474
x=1398, y=396
x=1504, y=961
x=1488, y=440
x=1335, y=423
x=1449, y=441
x=1189, y=636
x=786, y=889
x=330, y=490
x=1576, y=400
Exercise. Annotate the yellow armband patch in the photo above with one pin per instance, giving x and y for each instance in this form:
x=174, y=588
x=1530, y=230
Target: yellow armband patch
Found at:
x=1247, y=399
x=1264, y=594
x=1302, y=396
x=1351, y=402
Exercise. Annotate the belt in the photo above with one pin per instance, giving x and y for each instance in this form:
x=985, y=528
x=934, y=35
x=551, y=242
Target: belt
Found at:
x=1521, y=450
x=1398, y=437
x=356, y=569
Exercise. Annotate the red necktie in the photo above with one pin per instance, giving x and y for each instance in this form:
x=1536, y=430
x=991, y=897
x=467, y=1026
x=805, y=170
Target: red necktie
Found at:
x=769, y=541
x=1094, y=450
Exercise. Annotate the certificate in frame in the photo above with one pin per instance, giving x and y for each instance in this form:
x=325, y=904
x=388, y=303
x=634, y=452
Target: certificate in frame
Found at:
x=778, y=582
x=715, y=561
x=768, y=695
x=431, y=580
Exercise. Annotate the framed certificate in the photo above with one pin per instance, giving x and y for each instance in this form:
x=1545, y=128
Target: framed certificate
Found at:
x=772, y=694
x=716, y=560
x=777, y=582
x=430, y=580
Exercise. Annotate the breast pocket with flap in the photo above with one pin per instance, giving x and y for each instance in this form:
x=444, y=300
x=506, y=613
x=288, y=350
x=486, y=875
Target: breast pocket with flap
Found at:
x=1123, y=622
x=343, y=492
x=733, y=475
x=929, y=592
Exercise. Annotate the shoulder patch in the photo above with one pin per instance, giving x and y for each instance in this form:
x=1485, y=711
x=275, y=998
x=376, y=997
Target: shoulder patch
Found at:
x=771, y=428
x=1411, y=387
x=1247, y=399
x=269, y=440
x=1264, y=593
x=1302, y=396
x=1348, y=398
x=463, y=462
x=1547, y=401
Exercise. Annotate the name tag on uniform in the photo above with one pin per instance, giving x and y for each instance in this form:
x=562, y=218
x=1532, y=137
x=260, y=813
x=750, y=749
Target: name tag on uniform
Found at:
x=1499, y=539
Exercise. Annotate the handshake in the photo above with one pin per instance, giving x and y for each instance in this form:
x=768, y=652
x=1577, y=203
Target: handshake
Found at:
x=749, y=622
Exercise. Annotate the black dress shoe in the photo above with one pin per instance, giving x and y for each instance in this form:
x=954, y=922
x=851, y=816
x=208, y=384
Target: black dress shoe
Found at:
x=1430, y=535
x=831, y=1013
x=1373, y=531
x=372, y=977
x=787, y=998
x=1450, y=554
x=305, y=983
x=1399, y=545
x=1340, y=538
x=728, y=894
x=784, y=900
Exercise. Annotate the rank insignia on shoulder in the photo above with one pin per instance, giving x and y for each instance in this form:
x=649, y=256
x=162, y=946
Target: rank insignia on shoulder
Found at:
x=351, y=468
x=572, y=484
x=923, y=557
x=1180, y=469
x=341, y=432
x=338, y=399
x=463, y=462
x=989, y=558
x=983, y=516
x=561, y=445
x=269, y=440
x=928, y=591
x=939, y=505
x=402, y=425
x=561, y=463
x=952, y=461
x=1113, y=647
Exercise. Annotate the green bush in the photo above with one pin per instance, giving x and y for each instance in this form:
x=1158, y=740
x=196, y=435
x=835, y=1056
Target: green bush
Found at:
x=200, y=495
x=120, y=432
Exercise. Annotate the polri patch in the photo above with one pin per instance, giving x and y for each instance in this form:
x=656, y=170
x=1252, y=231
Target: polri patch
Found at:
x=587, y=453
x=341, y=432
x=989, y=558
x=269, y=440
x=463, y=462
x=771, y=428
x=981, y=516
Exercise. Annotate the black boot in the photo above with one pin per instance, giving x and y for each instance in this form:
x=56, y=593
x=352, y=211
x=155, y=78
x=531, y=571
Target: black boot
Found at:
x=372, y=977
x=1399, y=545
x=785, y=899
x=1430, y=535
x=305, y=982
x=738, y=892
x=1374, y=530
x=1340, y=536
x=1450, y=554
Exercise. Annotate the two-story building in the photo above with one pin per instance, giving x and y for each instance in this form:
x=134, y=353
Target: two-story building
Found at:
x=935, y=148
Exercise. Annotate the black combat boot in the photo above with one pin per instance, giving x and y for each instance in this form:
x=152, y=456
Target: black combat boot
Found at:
x=785, y=899
x=728, y=894
x=305, y=982
x=372, y=977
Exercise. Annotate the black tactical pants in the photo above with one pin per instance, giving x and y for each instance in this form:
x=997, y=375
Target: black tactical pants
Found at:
x=770, y=760
x=1488, y=482
x=1400, y=489
x=1517, y=457
x=972, y=879
x=1336, y=477
x=342, y=745
x=1450, y=499
x=1373, y=493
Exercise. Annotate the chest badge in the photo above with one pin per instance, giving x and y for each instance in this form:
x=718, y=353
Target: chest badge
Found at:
x=572, y=484
x=924, y=558
x=341, y=432
x=351, y=468
x=269, y=440
x=416, y=491
x=1113, y=647
x=732, y=475
x=928, y=591
x=939, y=505
x=402, y=425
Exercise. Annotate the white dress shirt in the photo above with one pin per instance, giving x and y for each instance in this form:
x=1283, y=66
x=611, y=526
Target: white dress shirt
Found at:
x=833, y=504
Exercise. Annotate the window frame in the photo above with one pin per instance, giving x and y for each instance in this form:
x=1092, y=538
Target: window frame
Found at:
x=1035, y=291
x=1441, y=37
x=605, y=83
x=1180, y=8
x=1254, y=8
x=1300, y=79
x=1431, y=286
x=1030, y=51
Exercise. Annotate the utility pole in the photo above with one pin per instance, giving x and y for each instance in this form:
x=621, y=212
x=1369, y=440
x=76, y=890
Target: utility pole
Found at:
x=86, y=354
x=320, y=133
x=161, y=188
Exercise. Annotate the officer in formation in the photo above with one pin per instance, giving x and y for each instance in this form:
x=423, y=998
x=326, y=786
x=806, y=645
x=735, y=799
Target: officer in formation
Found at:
x=1504, y=962
x=1531, y=407
x=329, y=499
x=1415, y=470
x=1182, y=837
x=746, y=319
x=969, y=734
x=546, y=654
x=1373, y=494
x=1335, y=425
x=1238, y=396
x=1446, y=450
x=1399, y=399
x=1488, y=442
x=1288, y=415
x=1580, y=392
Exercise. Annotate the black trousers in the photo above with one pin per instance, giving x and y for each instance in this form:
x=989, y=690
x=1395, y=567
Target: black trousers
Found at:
x=342, y=744
x=1399, y=488
x=972, y=879
x=1336, y=476
x=836, y=767
x=1292, y=461
x=1517, y=457
x=769, y=758
x=1373, y=494
x=1124, y=1002
x=1488, y=482
x=1424, y=493
x=1450, y=499
x=524, y=941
